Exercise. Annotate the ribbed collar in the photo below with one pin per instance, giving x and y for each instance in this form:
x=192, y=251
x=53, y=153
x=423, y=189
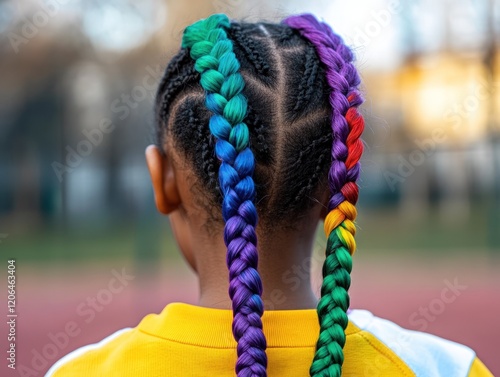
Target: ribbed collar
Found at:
x=206, y=327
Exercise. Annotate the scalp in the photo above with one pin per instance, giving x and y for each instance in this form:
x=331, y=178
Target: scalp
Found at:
x=288, y=119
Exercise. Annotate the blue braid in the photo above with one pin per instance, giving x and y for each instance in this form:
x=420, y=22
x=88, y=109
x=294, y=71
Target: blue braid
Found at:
x=214, y=58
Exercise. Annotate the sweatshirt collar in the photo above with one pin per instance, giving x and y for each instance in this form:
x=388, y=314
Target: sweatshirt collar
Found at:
x=207, y=327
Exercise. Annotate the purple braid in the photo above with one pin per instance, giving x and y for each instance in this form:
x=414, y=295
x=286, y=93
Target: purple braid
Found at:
x=347, y=126
x=212, y=50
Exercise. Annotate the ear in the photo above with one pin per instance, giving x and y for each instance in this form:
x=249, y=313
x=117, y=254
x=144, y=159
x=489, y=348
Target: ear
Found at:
x=162, y=173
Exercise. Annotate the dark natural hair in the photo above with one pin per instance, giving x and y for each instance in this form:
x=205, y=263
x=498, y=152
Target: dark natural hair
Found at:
x=266, y=115
x=288, y=120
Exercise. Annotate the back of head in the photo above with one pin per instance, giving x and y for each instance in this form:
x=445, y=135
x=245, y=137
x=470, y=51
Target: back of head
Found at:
x=288, y=119
x=273, y=143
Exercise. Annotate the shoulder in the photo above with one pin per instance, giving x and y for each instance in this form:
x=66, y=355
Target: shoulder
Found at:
x=424, y=354
x=84, y=360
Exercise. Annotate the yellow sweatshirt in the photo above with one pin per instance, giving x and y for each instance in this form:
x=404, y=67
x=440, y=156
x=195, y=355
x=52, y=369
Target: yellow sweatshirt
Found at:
x=186, y=340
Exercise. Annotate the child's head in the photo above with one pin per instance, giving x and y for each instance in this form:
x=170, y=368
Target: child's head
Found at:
x=258, y=120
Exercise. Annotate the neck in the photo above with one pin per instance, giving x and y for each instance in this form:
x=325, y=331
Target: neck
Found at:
x=284, y=267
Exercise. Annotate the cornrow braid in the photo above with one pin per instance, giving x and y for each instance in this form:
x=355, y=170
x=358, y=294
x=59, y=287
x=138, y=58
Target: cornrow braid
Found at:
x=249, y=49
x=212, y=51
x=176, y=78
x=316, y=175
x=306, y=86
x=261, y=147
x=347, y=126
x=198, y=128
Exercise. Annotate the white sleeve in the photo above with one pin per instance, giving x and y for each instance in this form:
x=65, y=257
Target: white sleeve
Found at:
x=425, y=354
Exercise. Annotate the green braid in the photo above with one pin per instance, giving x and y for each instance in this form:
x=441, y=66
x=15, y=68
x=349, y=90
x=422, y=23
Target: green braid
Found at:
x=214, y=58
x=333, y=307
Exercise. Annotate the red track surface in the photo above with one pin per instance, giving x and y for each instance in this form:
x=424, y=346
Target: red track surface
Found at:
x=48, y=301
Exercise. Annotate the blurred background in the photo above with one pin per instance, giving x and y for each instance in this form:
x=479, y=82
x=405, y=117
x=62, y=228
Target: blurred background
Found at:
x=77, y=82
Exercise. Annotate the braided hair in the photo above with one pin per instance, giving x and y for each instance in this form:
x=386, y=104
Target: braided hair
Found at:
x=219, y=68
x=265, y=114
x=347, y=126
